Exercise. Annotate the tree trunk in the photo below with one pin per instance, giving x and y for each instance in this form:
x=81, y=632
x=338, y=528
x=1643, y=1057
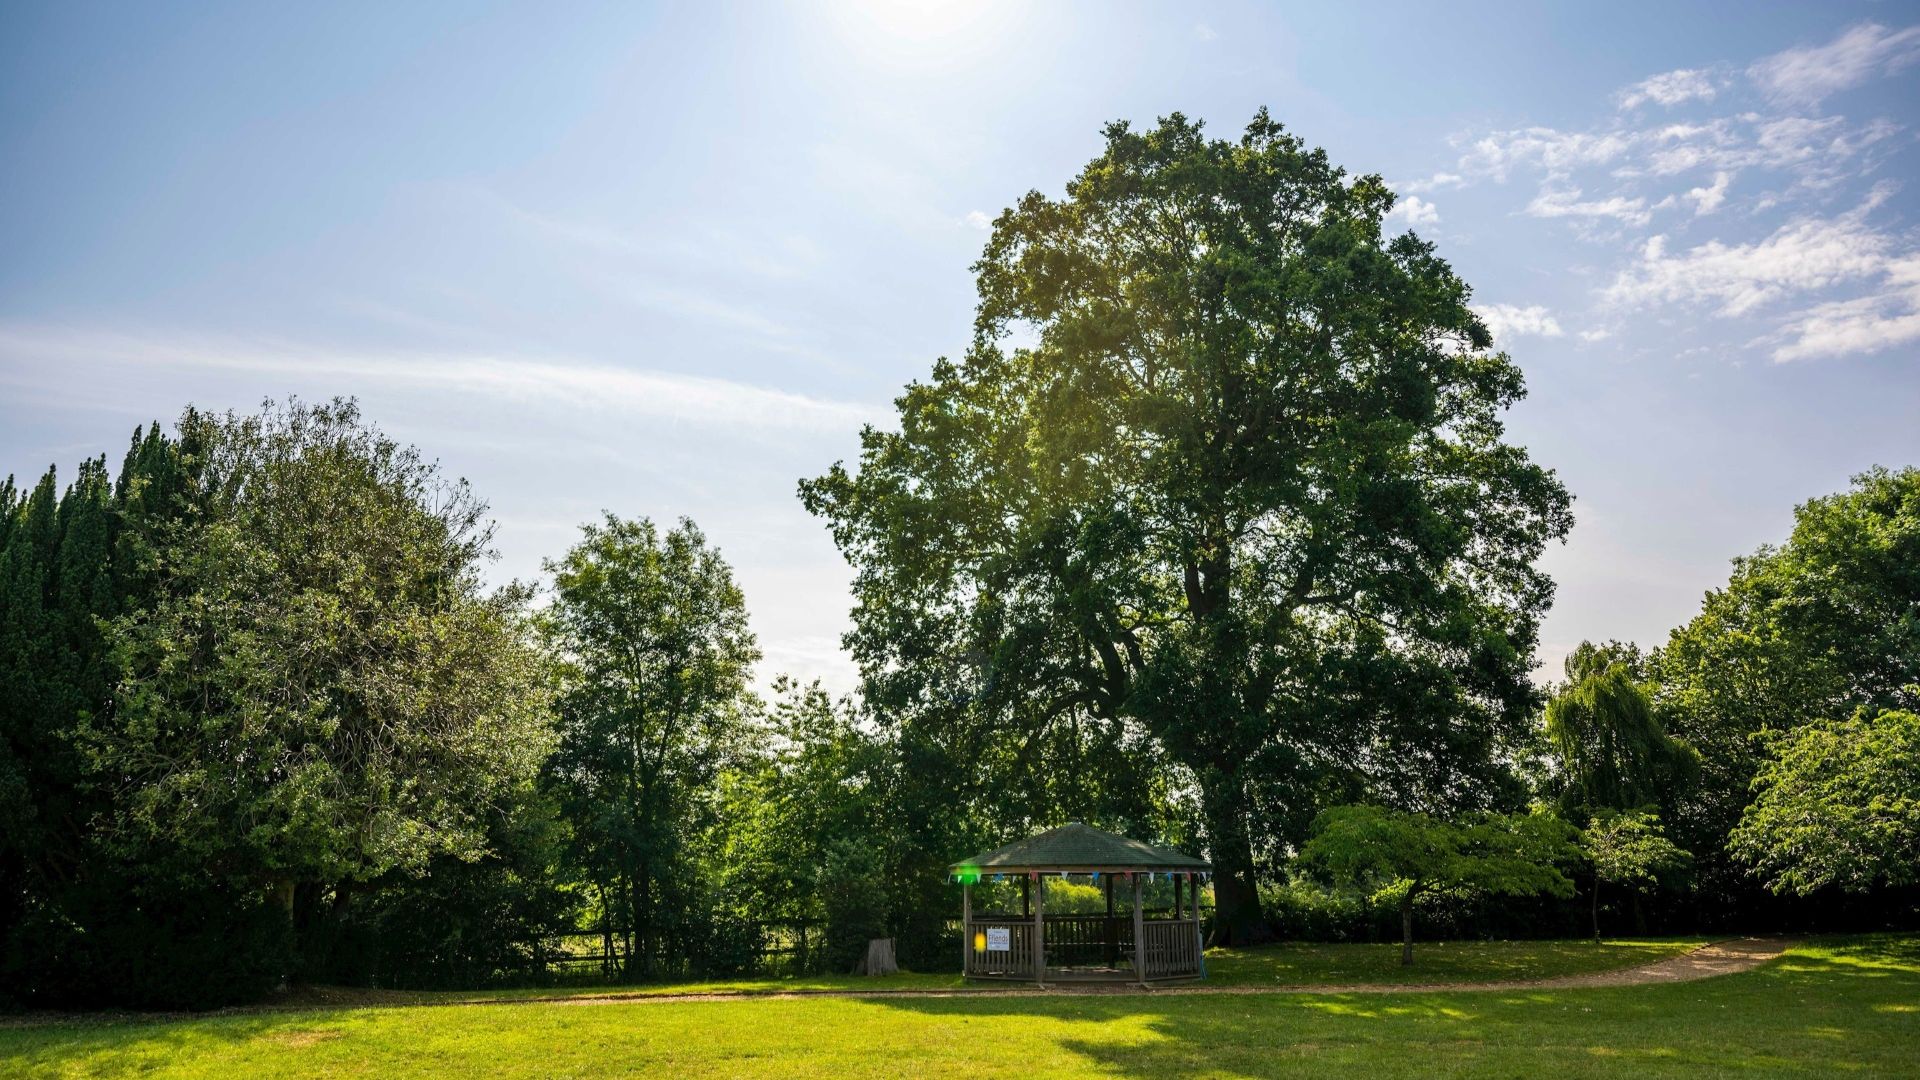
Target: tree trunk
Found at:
x=879, y=959
x=1596, y=909
x=1406, y=929
x=1237, y=918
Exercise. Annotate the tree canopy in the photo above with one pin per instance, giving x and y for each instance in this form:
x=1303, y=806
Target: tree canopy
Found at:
x=1837, y=804
x=1824, y=624
x=1613, y=752
x=1241, y=506
x=1400, y=856
x=1628, y=848
x=656, y=653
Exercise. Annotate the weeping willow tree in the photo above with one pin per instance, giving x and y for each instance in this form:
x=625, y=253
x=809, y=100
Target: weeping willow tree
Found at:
x=1614, y=751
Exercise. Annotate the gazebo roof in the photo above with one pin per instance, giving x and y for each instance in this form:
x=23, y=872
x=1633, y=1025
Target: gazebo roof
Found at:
x=1080, y=847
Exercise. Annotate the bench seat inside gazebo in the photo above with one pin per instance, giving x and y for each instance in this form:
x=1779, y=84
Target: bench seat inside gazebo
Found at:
x=1033, y=946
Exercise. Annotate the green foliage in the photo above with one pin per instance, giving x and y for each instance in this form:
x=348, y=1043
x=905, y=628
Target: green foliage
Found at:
x=1628, y=848
x=1837, y=805
x=1242, y=514
x=1398, y=856
x=1613, y=751
x=321, y=692
x=1823, y=625
x=654, y=706
x=791, y=823
x=250, y=680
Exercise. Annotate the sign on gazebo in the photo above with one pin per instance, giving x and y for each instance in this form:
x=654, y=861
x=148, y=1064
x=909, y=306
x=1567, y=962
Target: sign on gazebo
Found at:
x=1003, y=945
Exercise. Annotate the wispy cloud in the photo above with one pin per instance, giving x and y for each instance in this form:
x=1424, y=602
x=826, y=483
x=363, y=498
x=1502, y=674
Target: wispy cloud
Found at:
x=1708, y=199
x=1808, y=74
x=1806, y=254
x=1569, y=204
x=1671, y=88
x=571, y=383
x=1432, y=183
x=1888, y=317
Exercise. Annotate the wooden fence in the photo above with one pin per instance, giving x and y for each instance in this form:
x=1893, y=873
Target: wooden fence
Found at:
x=1172, y=948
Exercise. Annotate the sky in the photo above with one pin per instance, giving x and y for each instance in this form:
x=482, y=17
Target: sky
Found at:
x=667, y=260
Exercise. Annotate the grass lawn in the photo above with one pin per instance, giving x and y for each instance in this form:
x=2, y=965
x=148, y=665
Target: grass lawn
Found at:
x=1843, y=1005
x=1272, y=965
x=1433, y=962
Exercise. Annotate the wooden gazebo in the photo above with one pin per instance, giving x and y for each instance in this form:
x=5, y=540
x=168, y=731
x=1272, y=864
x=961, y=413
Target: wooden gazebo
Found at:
x=1033, y=945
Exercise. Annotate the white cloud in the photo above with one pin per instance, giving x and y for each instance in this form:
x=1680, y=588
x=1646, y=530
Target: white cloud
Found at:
x=1671, y=88
x=1801, y=260
x=635, y=392
x=1432, y=183
x=1597, y=334
x=1568, y=204
x=1557, y=152
x=1866, y=324
x=1708, y=199
x=1203, y=32
x=1809, y=73
x=1415, y=210
x=979, y=219
x=1511, y=320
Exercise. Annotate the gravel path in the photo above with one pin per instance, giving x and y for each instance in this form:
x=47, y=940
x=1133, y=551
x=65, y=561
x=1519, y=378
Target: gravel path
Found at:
x=1706, y=962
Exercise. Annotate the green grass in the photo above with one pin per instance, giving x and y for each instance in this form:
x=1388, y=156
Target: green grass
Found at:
x=1842, y=1006
x=1266, y=966
x=1435, y=962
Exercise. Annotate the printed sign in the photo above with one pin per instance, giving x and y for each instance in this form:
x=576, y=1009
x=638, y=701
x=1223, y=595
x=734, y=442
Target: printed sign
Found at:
x=999, y=939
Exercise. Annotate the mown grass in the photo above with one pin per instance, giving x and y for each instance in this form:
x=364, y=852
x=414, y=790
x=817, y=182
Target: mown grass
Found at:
x=1842, y=1006
x=1436, y=962
x=1271, y=965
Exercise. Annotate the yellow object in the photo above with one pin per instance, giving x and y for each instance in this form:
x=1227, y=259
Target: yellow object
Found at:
x=980, y=942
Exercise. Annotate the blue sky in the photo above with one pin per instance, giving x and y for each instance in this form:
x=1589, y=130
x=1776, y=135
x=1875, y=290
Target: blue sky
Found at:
x=666, y=260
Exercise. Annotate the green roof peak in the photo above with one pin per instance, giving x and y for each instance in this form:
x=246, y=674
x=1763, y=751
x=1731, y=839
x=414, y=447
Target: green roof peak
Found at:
x=1077, y=846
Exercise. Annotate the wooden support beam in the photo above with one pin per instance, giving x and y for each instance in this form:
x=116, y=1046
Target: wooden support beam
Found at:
x=966, y=928
x=1040, y=934
x=1109, y=930
x=1139, y=935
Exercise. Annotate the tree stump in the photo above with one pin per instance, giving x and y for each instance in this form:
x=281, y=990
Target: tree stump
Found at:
x=879, y=959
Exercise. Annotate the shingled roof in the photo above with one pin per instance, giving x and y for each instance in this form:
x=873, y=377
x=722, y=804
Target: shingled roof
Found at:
x=1080, y=847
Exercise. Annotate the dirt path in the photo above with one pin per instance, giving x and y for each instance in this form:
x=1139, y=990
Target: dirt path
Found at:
x=1706, y=962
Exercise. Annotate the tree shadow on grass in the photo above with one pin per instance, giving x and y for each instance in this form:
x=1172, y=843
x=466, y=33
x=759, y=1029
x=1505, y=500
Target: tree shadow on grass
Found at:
x=133, y=1044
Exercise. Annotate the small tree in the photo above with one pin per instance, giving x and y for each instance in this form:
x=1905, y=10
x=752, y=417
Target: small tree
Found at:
x=1613, y=751
x=1629, y=848
x=1401, y=856
x=1838, y=804
x=654, y=706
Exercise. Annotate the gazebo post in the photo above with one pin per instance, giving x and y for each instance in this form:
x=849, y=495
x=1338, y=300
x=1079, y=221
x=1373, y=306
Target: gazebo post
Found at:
x=1107, y=931
x=1040, y=934
x=1139, y=933
x=966, y=928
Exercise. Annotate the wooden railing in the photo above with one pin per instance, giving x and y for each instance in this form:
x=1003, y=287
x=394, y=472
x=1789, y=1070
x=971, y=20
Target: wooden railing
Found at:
x=1171, y=949
x=1171, y=946
x=1088, y=940
x=1014, y=962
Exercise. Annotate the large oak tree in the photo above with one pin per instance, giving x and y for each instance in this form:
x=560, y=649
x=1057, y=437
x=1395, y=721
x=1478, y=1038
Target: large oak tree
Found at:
x=1222, y=480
